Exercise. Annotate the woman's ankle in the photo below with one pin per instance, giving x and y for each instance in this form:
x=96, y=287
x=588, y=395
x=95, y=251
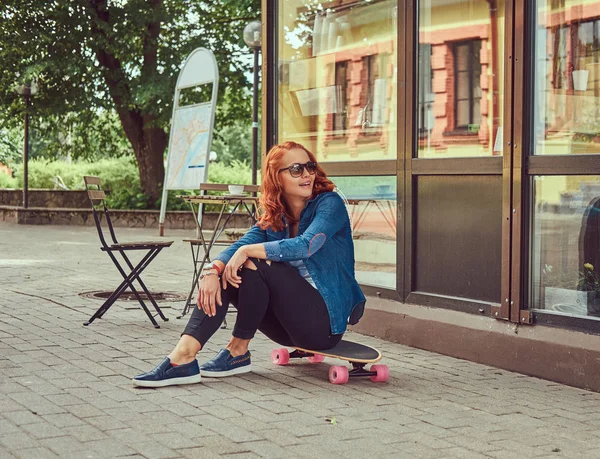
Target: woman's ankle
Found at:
x=179, y=357
x=184, y=353
x=237, y=352
x=237, y=347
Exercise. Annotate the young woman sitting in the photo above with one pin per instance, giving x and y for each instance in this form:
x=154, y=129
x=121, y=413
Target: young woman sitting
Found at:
x=291, y=276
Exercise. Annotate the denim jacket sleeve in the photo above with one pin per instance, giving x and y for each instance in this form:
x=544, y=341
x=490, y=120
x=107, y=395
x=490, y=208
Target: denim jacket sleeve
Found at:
x=330, y=216
x=255, y=235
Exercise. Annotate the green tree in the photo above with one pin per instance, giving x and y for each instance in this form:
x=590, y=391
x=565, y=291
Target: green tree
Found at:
x=10, y=147
x=234, y=143
x=95, y=58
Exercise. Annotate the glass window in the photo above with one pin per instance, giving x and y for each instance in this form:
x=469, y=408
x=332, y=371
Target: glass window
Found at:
x=567, y=78
x=460, y=78
x=337, y=78
x=565, y=262
x=372, y=210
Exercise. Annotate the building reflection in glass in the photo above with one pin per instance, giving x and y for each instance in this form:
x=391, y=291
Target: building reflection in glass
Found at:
x=460, y=78
x=337, y=78
x=567, y=77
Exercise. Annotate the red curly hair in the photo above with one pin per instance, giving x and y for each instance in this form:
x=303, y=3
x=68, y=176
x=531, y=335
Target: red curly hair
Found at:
x=272, y=201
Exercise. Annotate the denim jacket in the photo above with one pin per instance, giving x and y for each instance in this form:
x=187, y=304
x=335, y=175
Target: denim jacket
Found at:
x=324, y=243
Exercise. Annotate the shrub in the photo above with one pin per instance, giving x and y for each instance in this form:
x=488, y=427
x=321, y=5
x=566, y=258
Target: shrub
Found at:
x=119, y=175
x=6, y=181
x=238, y=172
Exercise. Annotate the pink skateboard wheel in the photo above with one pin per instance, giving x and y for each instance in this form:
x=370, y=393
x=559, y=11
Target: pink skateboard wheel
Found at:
x=338, y=375
x=280, y=356
x=383, y=373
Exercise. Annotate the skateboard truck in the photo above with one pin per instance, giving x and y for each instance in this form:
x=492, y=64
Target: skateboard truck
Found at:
x=358, y=369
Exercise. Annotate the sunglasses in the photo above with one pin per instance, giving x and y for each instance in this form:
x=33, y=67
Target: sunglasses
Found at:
x=297, y=169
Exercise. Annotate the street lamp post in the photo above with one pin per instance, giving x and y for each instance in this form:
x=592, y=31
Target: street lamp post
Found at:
x=27, y=91
x=253, y=38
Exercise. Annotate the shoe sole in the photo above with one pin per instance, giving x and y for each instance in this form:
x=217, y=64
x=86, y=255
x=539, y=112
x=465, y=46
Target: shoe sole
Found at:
x=168, y=382
x=222, y=374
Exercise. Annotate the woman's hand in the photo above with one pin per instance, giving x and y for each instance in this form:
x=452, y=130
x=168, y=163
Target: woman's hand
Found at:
x=209, y=294
x=231, y=272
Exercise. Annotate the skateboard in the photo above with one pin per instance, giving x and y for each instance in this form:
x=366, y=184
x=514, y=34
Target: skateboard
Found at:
x=357, y=354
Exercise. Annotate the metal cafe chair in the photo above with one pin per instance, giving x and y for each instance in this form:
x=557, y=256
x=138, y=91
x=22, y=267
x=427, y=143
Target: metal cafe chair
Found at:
x=201, y=242
x=97, y=199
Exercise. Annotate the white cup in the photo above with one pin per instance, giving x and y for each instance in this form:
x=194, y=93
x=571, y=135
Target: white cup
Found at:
x=235, y=189
x=580, y=79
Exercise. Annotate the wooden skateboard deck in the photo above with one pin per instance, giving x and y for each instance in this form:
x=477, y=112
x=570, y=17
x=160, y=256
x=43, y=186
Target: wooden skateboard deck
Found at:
x=350, y=351
x=357, y=354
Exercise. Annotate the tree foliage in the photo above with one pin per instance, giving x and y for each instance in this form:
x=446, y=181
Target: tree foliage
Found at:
x=99, y=61
x=234, y=143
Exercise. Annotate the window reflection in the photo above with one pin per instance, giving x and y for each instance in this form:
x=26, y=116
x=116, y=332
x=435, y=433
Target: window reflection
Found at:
x=337, y=78
x=566, y=245
x=460, y=77
x=372, y=210
x=467, y=71
x=426, y=96
x=567, y=66
x=340, y=117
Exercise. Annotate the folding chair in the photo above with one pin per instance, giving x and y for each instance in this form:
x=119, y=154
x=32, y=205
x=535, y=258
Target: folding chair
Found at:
x=201, y=243
x=97, y=200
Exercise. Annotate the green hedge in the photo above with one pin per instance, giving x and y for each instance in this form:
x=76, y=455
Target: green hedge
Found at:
x=119, y=175
x=6, y=181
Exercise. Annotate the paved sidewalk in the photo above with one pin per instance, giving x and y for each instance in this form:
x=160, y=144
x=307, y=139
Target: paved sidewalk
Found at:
x=65, y=389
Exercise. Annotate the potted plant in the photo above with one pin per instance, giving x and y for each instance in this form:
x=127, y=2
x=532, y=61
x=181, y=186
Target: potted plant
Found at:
x=589, y=282
x=559, y=292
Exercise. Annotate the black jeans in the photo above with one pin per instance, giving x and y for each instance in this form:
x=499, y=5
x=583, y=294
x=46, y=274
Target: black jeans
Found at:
x=276, y=300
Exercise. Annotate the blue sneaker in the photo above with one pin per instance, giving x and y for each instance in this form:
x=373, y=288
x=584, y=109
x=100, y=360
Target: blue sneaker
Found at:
x=226, y=365
x=166, y=374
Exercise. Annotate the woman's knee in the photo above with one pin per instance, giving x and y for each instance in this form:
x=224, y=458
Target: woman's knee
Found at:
x=250, y=264
x=256, y=263
x=251, y=270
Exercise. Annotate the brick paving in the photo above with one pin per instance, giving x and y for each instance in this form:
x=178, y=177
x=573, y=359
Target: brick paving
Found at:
x=66, y=390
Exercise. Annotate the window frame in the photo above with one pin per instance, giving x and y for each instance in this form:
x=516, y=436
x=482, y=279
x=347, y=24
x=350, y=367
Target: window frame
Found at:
x=471, y=78
x=368, y=62
x=343, y=92
x=423, y=104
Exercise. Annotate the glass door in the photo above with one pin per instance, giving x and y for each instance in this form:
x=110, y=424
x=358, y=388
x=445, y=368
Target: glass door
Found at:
x=454, y=158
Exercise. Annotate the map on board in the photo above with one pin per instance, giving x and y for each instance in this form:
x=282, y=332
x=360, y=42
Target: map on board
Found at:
x=188, y=151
